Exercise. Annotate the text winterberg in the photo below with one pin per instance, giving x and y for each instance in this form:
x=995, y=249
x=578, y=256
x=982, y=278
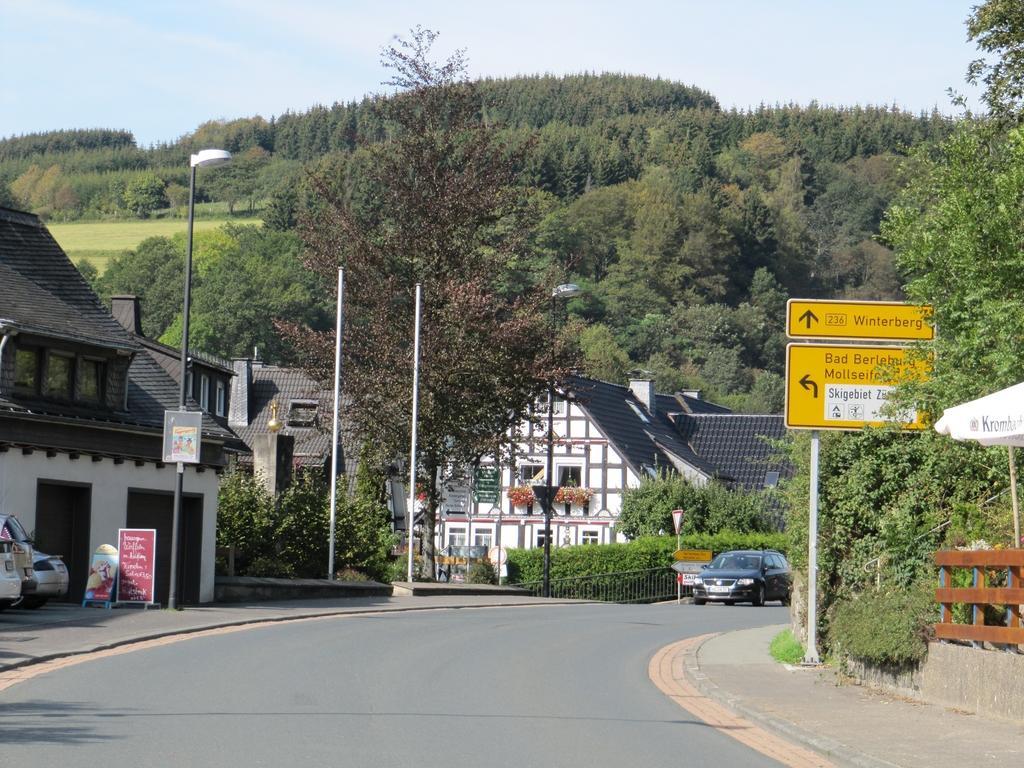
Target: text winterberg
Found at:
x=886, y=322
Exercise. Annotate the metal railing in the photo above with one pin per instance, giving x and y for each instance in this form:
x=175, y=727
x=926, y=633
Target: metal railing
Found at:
x=648, y=586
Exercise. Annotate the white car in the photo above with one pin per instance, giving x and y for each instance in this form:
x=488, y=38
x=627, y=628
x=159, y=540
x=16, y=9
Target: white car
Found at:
x=51, y=580
x=10, y=578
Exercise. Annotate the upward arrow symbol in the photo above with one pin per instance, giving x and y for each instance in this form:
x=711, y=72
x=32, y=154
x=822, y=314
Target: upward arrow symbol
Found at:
x=807, y=317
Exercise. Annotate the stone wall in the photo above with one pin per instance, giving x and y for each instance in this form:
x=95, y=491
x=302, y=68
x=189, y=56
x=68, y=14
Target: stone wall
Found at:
x=982, y=681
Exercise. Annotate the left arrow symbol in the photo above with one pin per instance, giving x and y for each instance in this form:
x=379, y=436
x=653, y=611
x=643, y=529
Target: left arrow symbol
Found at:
x=806, y=383
x=808, y=317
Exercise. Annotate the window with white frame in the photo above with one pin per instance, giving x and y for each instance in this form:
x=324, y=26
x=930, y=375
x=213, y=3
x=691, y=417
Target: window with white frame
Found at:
x=482, y=538
x=570, y=475
x=204, y=392
x=222, y=398
x=531, y=474
x=541, y=537
x=590, y=536
x=557, y=405
x=540, y=406
x=456, y=536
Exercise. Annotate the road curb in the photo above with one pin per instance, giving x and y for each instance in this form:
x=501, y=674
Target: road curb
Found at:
x=830, y=748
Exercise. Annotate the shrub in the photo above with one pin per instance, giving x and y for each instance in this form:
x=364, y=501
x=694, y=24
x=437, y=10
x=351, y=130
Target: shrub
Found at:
x=526, y=565
x=887, y=627
x=647, y=509
x=482, y=572
x=350, y=574
x=270, y=567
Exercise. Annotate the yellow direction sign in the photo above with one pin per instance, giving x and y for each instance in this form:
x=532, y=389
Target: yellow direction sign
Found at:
x=693, y=555
x=846, y=386
x=869, y=320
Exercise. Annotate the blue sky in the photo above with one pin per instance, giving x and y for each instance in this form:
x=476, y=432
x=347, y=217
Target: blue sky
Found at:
x=159, y=68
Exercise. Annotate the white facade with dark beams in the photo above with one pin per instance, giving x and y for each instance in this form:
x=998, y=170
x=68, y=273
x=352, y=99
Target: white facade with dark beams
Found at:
x=607, y=438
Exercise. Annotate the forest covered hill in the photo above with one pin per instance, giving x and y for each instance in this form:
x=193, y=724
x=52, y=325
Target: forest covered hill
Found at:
x=687, y=224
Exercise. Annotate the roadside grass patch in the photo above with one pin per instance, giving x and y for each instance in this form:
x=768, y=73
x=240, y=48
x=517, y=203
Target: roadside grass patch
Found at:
x=785, y=648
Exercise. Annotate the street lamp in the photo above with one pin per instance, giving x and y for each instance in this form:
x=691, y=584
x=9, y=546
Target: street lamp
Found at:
x=564, y=291
x=206, y=158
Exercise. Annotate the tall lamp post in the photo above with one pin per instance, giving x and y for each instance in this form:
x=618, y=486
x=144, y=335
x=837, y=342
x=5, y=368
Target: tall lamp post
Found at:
x=206, y=158
x=564, y=291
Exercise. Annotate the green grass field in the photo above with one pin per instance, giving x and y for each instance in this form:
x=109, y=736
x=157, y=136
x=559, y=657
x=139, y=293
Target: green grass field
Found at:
x=99, y=241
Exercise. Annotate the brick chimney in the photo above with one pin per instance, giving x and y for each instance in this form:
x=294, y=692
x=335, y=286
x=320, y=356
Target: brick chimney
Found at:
x=127, y=311
x=642, y=386
x=241, y=383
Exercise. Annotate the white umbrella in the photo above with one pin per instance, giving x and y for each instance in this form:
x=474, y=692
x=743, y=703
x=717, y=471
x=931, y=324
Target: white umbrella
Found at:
x=996, y=419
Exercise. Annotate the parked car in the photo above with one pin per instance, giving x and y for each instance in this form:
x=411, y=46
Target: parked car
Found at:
x=11, y=530
x=51, y=581
x=744, y=576
x=10, y=579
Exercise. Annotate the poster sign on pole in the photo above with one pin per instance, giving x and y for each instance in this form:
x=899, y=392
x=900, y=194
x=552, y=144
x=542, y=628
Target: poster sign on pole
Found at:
x=182, y=436
x=102, y=581
x=137, y=552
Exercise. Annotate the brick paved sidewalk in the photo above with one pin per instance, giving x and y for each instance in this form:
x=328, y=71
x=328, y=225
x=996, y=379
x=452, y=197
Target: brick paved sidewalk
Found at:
x=849, y=724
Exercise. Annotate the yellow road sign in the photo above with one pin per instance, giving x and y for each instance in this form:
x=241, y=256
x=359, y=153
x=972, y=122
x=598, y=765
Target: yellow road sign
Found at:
x=693, y=555
x=846, y=386
x=869, y=320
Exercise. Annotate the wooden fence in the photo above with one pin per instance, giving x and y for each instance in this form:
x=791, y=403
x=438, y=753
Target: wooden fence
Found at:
x=985, y=565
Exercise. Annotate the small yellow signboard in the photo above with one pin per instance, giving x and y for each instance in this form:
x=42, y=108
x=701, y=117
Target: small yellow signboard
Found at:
x=868, y=320
x=846, y=386
x=693, y=555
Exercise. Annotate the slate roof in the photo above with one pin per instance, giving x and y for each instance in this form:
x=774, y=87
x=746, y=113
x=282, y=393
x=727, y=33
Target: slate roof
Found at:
x=42, y=292
x=710, y=438
x=645, y=440
x=738, y=445
x=313, y=443
x=151, y=392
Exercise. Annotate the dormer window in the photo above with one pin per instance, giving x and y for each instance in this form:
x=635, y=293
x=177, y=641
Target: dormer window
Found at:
x=302, y=413
x=92, y=374
x=26, y=369
x=222, y=398
x=60, y=376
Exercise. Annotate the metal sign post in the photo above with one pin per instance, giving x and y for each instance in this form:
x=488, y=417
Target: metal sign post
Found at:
x=677, y=521
x=811, y=654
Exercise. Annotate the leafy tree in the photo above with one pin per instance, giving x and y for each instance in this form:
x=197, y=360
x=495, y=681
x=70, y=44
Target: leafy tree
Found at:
x=155, y=272
x=711, y=508
x=144, y=194
x=443, y=186
x=603, y=358
x=998, y=28
x=258, y=276
x=956, y=231
x=363, y=535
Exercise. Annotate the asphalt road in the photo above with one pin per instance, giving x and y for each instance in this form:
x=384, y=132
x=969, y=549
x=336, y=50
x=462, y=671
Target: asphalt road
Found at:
x=520, y=687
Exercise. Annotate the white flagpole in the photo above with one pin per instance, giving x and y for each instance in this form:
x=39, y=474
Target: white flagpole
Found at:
x=411, y=513
x=334, y=431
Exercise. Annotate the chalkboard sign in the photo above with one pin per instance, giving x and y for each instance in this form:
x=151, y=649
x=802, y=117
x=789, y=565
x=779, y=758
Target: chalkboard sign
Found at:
x=137, y=550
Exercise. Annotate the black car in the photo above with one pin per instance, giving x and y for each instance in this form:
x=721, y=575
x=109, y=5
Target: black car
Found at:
x=744, y=576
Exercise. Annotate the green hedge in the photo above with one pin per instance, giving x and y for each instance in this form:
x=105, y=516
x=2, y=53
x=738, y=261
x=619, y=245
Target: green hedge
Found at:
x=889, y=627
x=526, y=565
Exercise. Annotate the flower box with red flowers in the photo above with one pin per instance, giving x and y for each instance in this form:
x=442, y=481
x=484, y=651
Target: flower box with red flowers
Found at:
x=521, y=495
x=570, y=495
